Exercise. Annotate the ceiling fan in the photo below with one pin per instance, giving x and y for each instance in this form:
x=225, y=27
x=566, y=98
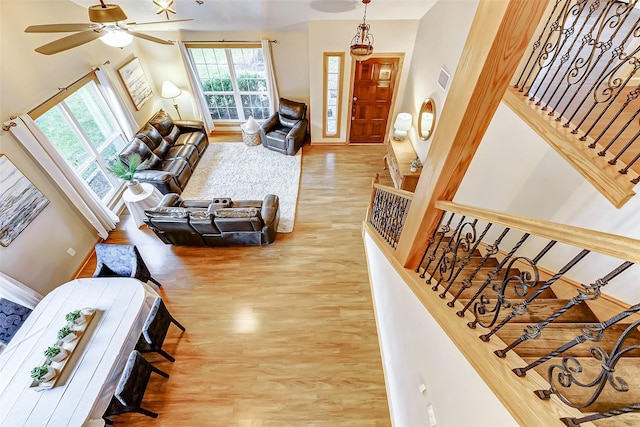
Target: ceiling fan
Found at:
x=107, y=24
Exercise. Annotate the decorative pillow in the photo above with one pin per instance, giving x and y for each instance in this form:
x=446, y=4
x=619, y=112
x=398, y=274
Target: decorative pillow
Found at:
x=162, y=149
x=153, y=162
x=163, y=122
x=237, y=212
x=167, y=212
x=172, y=137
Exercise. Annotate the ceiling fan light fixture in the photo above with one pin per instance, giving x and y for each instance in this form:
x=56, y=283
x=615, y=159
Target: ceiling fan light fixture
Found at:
x=362, y=43
x=116, y=38
x=108, y=13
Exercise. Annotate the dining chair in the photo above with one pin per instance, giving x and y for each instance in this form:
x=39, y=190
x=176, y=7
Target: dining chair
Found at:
x=121, y=261
x=131, y=387
x=155, y=330
x=12, y=316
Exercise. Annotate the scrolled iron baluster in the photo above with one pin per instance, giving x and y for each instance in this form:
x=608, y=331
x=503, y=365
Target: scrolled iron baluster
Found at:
x=570, y=367
x=464, y=262
x=522, y=282
x=575, y=422
x=432, y=256
x=430, y=242
x=491, y=277
x=451, y=256
x=446, y=248
x=589, y=332
x=533, y=332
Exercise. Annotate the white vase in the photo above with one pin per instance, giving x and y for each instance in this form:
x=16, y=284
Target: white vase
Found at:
x=413, y=169
x=60, y=356
x=51, y=374
x=135, y=187
x=69, y=337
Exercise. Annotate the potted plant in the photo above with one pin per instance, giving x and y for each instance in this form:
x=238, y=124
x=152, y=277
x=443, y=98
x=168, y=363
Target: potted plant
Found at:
x=126, y=172
x=55, y=353
x=415, y=164
x=78, y=317
x=66, y=334
x=43, y=373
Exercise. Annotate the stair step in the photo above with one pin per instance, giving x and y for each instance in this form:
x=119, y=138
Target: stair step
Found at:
x=540, y=309
x=628, y=368
x=556, y=335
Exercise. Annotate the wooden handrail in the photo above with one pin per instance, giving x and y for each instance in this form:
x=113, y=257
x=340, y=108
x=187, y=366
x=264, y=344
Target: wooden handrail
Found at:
x=396, y=191
x=620, y=247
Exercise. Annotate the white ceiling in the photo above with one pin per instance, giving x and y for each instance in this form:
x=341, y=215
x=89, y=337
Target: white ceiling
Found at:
x=265, y=15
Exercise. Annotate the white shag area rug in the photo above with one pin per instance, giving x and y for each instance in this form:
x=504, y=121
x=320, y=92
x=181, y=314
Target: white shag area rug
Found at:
x=244, y=172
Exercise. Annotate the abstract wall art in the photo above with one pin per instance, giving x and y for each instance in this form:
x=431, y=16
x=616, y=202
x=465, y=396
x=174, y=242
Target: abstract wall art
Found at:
x=20, y=201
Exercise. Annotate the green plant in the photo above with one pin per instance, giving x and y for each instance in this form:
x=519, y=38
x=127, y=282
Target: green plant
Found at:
x=38, y=372
x=63, y=332
x=75, y=314
x=123, y=171
x=52, y=351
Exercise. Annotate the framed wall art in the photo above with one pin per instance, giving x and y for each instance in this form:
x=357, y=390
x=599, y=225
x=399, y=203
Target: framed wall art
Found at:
x=136, y=83
x=20, y=201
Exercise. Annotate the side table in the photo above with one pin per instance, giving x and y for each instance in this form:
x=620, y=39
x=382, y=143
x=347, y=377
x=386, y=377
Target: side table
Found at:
x=138, y=203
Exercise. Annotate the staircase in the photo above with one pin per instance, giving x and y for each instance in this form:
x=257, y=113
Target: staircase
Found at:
x=581, y=347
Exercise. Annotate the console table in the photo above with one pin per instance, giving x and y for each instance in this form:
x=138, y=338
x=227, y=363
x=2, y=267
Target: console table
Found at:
x=398, y=159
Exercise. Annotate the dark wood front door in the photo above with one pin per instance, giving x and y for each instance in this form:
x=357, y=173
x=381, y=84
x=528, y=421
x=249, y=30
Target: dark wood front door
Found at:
x=373, y=87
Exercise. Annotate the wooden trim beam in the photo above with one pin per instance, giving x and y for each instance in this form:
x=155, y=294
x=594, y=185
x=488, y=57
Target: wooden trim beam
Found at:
x=617, y=188
x=498, y=38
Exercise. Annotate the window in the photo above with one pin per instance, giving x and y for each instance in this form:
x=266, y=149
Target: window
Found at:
x=233, y=80
x=80, y=125
x=333, y=65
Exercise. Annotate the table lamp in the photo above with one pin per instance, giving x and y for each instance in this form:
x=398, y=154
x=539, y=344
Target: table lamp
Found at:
x=171, y=91
x=401, y=126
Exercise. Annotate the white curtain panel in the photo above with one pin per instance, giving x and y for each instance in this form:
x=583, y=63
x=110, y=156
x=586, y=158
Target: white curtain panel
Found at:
x=36, y=142
x=123, y=115
x=274, y=104
x=17, y=292
x=200, y=102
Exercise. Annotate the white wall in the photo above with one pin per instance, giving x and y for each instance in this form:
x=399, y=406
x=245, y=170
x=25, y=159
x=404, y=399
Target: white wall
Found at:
x=439, y=43
x=416, y=351
x=335, y=36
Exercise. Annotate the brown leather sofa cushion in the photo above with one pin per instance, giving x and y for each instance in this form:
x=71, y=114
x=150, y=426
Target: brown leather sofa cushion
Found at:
x=163, y=122
x=150, y=136
x=167, y=212
x=237, y=212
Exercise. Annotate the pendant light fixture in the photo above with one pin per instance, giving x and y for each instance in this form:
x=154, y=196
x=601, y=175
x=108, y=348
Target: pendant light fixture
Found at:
x=362, y=42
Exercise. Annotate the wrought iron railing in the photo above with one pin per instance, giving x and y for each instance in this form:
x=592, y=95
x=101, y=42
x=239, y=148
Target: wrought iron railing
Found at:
x=388, y=210
x=488, y=264
x=583, y=70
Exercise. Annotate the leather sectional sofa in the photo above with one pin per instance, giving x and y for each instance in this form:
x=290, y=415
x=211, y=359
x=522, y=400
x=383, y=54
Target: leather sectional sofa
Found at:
x=217, y=222
x=169, y=150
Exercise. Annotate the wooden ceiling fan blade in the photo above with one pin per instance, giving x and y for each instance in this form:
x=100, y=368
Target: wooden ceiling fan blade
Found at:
x=57, y=28
x=148, y=37
x=68, y=42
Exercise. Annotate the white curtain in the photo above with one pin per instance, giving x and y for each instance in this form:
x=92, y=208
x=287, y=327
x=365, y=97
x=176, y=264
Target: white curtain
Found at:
x=85, y=200
x=15, y=291
x=123, y=115
x=271, y=77
x=199, y=102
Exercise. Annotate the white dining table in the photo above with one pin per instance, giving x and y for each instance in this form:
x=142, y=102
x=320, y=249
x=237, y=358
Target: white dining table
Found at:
x=87, y=382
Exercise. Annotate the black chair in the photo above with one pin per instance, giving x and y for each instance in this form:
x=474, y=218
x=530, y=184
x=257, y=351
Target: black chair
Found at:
x=121, y=261
x=12, y=316
x=155, y=330
x=286, y=130
x=131, y=388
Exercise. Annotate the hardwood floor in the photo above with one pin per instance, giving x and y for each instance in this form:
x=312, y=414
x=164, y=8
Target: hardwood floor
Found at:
x=280, y=335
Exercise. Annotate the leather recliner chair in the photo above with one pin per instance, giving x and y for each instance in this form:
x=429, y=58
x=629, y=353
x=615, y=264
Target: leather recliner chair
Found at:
x=286, y=130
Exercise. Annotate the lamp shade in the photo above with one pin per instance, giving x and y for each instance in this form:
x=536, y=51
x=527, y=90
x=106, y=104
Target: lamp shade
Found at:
x=402, y=125
x=169, y=90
